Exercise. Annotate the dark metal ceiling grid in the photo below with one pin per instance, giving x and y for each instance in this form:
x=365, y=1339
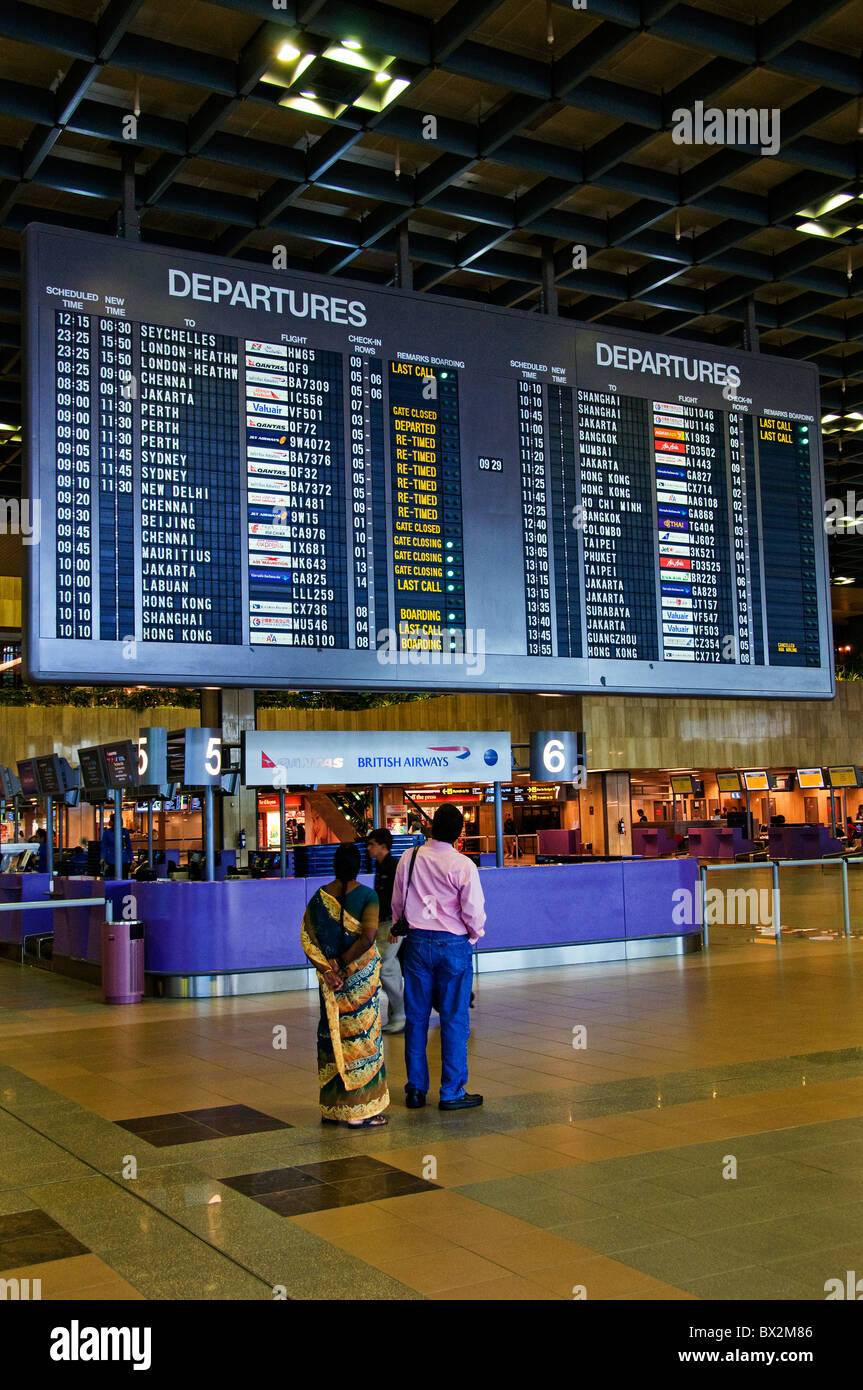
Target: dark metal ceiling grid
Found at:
x=680, y=239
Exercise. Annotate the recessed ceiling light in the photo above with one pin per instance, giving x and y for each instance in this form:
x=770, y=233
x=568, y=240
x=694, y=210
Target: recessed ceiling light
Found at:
x=288, y=52
x=352, y=43
x=382, y=77
x=312, y=96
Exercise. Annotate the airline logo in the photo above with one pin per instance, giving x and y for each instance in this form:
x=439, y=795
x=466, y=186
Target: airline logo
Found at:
x=259, y=408
x=272, y=561
x=681, y=628
x=272, y=639
x=460, y=751
x=676, y=549
x=270, y=499
x=669, y=420
x=660, y=433
x=276, y=455
x=264, y=393
x=678, y=656
x=675, y=601
x=265, y=378
x=679, y=587
x=272, y=470
x=661, y=458
x=670, y=562
x=253, y=422
x=265, y=364
x=266, y=543
x=268, y=349
x=682, y=643
x=259, y=621
x=669, y=446
x=663, y=494
x=664, y=471
x=259, y=529
x=268, y=576
x=663, y=408
x=672, y=523
x=257, y=605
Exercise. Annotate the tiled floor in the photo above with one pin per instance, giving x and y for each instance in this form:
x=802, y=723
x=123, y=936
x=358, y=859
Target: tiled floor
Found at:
x=707, y=1142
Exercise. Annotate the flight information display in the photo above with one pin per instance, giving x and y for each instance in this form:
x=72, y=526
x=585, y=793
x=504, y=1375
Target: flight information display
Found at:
x=250, y=477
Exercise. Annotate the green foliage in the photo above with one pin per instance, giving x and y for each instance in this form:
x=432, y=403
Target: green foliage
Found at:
x=114, y=697
x=97, y=696
x=333, y=699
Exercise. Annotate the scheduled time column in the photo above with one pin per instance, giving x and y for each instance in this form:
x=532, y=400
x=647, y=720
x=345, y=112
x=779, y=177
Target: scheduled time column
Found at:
x=74, y=587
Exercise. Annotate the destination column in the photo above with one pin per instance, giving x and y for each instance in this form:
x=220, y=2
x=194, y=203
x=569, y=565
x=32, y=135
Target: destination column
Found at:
x=191, y=555
x=619, y=589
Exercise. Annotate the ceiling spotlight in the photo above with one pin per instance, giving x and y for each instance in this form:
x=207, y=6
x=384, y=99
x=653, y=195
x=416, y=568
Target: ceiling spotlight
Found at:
x=309, y=94
x=382, y=77
x=352, y=43
x=287, y=53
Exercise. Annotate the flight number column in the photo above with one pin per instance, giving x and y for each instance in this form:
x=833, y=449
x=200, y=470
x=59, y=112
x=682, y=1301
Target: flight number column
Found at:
x=532, y=445
x=74, y=585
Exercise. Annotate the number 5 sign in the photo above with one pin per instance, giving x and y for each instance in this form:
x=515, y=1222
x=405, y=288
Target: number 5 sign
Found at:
x=203, y=758
x=558, y=757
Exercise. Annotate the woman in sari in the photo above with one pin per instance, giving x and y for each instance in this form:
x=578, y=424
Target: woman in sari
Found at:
x=338, y=936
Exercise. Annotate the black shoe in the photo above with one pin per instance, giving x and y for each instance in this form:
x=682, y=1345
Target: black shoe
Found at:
x=414, y=1099
x=464, y=1102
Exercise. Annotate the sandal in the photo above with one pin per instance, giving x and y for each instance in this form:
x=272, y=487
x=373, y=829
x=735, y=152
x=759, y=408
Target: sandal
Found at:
x=373, y=1122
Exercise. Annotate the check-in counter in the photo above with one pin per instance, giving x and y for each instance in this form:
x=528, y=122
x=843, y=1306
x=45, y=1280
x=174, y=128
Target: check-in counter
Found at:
x=243, y=935
x=718, y=842
x=801, y=842
x=14, y=926
x=653, y=841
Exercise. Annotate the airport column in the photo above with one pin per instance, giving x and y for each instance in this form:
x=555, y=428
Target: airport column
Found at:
x=118, y=833
x=617, y=812
x=49, y=825
x=239, y=813
x=498, y=826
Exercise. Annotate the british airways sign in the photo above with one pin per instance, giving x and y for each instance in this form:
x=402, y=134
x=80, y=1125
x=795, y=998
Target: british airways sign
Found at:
x=349, y=758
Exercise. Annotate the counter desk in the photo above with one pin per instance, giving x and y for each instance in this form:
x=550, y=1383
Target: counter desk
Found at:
x=242, y=936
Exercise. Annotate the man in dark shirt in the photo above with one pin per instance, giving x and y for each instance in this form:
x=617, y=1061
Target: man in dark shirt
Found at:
x=379, y=844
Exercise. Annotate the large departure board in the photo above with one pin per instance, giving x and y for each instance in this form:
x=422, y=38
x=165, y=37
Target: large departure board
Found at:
x=250, y=477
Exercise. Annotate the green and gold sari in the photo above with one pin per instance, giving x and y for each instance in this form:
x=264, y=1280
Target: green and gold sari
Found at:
x=351, y=1068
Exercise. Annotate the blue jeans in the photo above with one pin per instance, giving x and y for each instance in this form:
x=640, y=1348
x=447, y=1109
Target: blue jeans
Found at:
x=439, y=971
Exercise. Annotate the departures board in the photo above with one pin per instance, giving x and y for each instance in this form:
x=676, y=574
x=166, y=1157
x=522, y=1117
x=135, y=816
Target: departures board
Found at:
x=254, y=477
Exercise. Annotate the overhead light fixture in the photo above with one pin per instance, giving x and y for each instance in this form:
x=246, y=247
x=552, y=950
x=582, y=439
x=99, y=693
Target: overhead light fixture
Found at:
x=310, y=95
x=288, y=53
x=378, y=96
x=351, y=43
x=841, y=579
x=10, y=429
x=820, y=229
x=820, y=209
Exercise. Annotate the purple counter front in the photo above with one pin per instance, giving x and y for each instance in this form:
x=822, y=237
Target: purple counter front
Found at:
x=14, y=926
x=251, y=927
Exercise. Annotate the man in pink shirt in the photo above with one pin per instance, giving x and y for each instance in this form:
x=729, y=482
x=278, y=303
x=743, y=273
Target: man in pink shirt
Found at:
x=445, y=907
